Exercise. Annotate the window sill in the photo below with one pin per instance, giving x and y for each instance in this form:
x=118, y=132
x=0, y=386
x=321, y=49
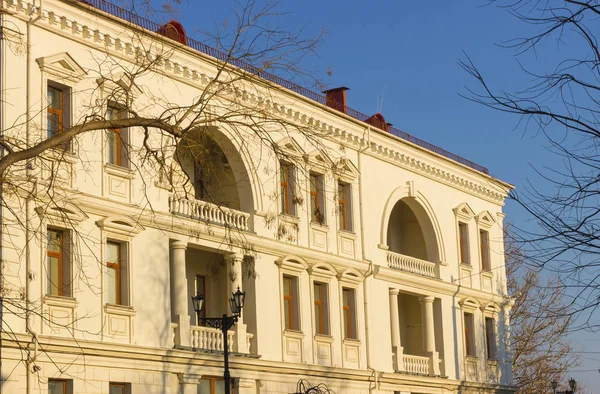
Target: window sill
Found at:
x=487, y=273
x=293, y=334
x=119, y=171
x=66, y=155
x=466, y=266
x=324, y=338
x=492, y=361
x=347, y=234
x=319, y=226
x=119, y=309
x=471, y=358
x=287, y=217
x=61, y=301
x=352, y=341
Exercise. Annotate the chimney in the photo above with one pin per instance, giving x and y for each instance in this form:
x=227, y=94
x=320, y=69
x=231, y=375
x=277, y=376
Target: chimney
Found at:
x=378, y=121
x=336, y=98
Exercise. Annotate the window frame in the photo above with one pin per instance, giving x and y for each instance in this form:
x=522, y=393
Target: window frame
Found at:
x=317, y=214
x=344, y=205
x=349, y=318
x=64, y=268
x=117, y=266
x=214, y=379
x=286, y=188
x=67, y=385
x=484, y=249
x=323, y=306
x=124, y=270
x=490, y=338
x=469, y=334
x=118, y=133
x=293, y=302
x=55, y=111
x=463, y=243
x=126, y=387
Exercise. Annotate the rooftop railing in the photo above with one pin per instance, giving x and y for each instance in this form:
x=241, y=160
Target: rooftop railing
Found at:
x=137, y=20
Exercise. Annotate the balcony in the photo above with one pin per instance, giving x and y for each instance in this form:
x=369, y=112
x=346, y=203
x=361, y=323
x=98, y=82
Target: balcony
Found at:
x=415, y=364
x=210, y=213
x=410, y=264
x=208, y=338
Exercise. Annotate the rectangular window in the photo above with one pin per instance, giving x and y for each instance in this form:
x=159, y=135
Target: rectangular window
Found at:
x=349, y=311
x=119, y=388
x=317, y=206
x=287, y=188
x=116, y=273
x=463, y=235
x=116, y=138
x=321, y=308
x=484, y=243
x=59, y=263
x=60, y=386
x=490, y=338
x=290, y=303
x=58, y=114
x=213, y=385
x=344, y=207
x=201, y=289
x=469, y=334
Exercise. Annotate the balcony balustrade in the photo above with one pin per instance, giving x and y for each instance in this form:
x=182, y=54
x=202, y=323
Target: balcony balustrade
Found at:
x=209, y=338
x=210, y=213
x=415, y=364
x=410, y=264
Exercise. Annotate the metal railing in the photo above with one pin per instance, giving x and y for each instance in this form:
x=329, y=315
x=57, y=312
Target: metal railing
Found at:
x=137, y=20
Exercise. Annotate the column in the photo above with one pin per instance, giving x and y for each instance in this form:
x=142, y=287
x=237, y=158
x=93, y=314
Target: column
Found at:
x=179, y=296
x=397, y=350
x=234, y=276
x=429, y=334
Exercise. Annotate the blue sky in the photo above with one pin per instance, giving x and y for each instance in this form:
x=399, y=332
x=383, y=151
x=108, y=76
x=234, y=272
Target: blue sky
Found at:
x=405, y=54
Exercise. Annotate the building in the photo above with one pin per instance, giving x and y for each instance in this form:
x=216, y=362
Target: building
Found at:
x=372, y=262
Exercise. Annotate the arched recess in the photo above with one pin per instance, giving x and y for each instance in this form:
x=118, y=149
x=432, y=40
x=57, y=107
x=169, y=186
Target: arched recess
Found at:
x=413, y=202
x=220, y=168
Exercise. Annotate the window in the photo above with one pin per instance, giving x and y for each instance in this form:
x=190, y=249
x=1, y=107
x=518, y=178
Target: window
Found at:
x=287, y=188
x=57, y=114
x=344, y=211
x=213, y=385
x=349, y=311
x=116, y=273
x=317, y=206
x=469, y=334
x=59, y=264
x=290, y=303
x=484, y=243
x=463, y=235
x=60, y=386
x=490, y=338
x=116, y=139
x=321, y=308
x=119, y=388
x=201, y=289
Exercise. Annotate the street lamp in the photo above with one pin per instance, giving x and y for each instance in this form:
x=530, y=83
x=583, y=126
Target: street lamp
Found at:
x=572, y=384
x=224, y=323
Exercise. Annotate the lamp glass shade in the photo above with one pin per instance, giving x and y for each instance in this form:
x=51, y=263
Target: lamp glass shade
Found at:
x=553, y=384
x=573, y=384
x=236, y=302
x=198, y=302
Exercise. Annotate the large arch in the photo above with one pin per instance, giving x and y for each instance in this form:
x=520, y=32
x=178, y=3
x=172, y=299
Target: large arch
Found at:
x=406, y=197
x=230, y=177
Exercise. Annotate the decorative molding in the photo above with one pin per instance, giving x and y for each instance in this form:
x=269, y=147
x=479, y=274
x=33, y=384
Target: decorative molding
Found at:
x=351, y=275
x=62, y=67
x=464, y=212
x=108, y=43
x=293, y=263
x=322, y=270
x=485, y=219
x=121, y=225
x=63, y=211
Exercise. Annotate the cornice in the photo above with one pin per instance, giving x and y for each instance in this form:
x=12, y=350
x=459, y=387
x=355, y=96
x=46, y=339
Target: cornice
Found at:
x=111, y=43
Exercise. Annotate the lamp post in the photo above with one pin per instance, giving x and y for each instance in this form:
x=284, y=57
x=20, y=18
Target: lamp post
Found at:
x=572, y=384
x=224, y=323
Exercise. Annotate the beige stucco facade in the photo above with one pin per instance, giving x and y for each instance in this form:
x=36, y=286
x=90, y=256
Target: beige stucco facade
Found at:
x=395, y=290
